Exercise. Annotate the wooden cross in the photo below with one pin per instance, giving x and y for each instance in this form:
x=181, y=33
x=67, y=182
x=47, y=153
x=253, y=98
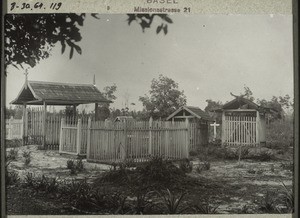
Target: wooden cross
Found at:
x=215, y=129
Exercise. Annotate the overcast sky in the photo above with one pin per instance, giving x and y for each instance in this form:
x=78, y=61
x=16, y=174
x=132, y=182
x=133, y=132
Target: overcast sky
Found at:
x=209, y=57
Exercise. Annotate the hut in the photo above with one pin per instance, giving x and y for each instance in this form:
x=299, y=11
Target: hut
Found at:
x=243, y=123
x=199, y=123
x=57, y=94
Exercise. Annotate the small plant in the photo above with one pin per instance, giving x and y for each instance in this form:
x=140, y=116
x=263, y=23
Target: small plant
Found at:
x=75, y=167
x=193, y=153
x=12, y=154
x=118, y=203
x=251, y=171
x=29, y=179
x=272, y=169
x=186, y=166
x=288, y=199
x=202, y=166
x=11, y=178
x=205, y=208
x=70, y=164
x=268, y=205
x=79, y=165
x=172, y=203
x=27, y=157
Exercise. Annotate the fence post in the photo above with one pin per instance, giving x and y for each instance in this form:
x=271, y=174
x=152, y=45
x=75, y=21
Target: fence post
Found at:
x=187, y=138
x=223, y=128
x=10, y=128
x=88, y=145
x=78, y=138
x=257, y=129
x=150, y=136
x=21, y=130
x=62, y=124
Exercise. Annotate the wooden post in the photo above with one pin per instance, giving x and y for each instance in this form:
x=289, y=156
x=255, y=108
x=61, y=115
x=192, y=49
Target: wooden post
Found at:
x=78, y=138
x=257, y=128
x=22, y=120
x=62, y=124
x=187, y=138
x=74, y=110
x=88, y=146
x=24, y=125
x=96, y=111
x=44, y=125
x=10, y=128
x=123, y=149
x=223, y=128
x=150, y=136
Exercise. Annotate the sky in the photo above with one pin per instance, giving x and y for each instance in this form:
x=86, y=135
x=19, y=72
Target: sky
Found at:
x=209, y=56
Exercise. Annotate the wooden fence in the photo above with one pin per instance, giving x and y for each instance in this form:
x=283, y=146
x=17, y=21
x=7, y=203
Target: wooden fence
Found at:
x=73, y=136
x=240, y=131
x=109, y=142
x=14, y=128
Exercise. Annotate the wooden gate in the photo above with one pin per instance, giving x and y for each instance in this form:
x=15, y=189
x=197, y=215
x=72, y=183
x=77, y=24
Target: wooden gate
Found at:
x=240, y=130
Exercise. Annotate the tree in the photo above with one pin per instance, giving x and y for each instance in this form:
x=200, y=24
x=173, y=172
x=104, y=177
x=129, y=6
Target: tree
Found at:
x=212, y=105
x=164, y=98
x=31, y=37
x=108, y=93
x=278, y=105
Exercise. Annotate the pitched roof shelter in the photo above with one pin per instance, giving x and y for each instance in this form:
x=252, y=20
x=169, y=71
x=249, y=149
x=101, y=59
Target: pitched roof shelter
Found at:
x=52, y=93
x=190, y=112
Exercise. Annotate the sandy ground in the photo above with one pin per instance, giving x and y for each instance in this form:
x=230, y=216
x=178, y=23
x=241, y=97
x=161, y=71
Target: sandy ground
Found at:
x=238, y=184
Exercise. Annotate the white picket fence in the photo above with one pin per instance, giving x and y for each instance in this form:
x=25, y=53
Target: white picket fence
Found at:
x=14, y=128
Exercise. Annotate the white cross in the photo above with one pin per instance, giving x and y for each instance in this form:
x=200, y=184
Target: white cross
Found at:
x=215, y=129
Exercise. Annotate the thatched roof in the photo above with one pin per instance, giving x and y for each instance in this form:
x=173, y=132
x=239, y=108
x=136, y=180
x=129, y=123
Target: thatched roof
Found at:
x=52, y=93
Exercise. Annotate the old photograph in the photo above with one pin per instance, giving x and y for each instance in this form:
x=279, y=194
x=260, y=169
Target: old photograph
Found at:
x=149, y=114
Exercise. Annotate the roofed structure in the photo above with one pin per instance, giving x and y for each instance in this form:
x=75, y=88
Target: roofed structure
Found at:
x=190, y=112
x=52, y=93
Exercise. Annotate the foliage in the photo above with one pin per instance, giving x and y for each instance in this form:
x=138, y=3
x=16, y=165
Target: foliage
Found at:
x=13, y=143
x=289, y=199
x=264, y=155
x=160, y=171
x=171, y=202
x=268, y=205
x=279, y=134
x=278, y=105
x=11, y=177
x=75, y=167
x=145, y=21
x=30, y=38
x=186, y=165
x=12, y=154
x=202, y=166
x=27, y=157
x=205, y=208
x=164, y=98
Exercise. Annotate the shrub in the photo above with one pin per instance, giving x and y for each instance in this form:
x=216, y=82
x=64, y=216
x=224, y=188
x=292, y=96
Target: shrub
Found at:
x=29, y=179
x=27, y=157
x=12, y=154
x=11, y=177
x=75, y=167
x=279, y=134
x=171, y=202
x=268, y=205
x=202, y=166
x=160, y=170
x=13, y=143
x=288, y=199
x=205, y=208
x=193, y=153
x=186, y=165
